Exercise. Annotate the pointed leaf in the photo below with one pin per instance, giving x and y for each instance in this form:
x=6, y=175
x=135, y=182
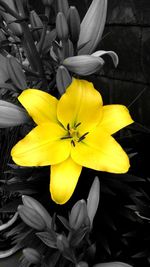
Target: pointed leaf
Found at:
x=48, y=238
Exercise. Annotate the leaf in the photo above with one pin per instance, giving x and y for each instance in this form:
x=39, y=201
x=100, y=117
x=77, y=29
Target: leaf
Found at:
x=69, y=255
x=112, y=54
x=8, y=86
x=52, y=259
x=22, y=187
x=139, y=255
x=48, y=238
x=139, y=127
x=64, y=222
x=128, y=178
x=77, y=236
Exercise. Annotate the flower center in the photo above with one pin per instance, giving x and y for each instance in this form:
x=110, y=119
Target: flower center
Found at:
x=73, y=134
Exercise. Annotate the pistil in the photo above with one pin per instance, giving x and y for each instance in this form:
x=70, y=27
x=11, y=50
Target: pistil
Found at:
x=73, y=134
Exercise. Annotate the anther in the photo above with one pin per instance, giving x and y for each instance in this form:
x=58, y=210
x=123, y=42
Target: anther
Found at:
x=65, y=137
x=76, y=125
x=82, y=137
x=73, y=143
x=68, y=127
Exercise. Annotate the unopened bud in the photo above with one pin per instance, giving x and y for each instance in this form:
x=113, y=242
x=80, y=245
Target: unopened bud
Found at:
x=49, y=38
x=3, y=69
x=62, y=27
x=2, y=36
x=62, y=242
x=32, y=255
x=77, y=215
x=20, y=5
x=93, y=199
x=11, y=115
x=36, y=25
x=47, y=2
x=74, y=24
x=92, y=27
x=83, y=65
x=36, y=205
x=63, y=7
x=16, y=73
x=31, y=217
x=63, y=79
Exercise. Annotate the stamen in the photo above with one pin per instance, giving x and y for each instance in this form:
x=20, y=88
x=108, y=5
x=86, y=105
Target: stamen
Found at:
x=76, y=125
x=73, y=143
x=65, y=137
x=68, y=127
x=82, y=137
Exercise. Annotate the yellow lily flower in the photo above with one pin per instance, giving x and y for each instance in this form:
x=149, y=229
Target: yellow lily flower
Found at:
x=72, y=132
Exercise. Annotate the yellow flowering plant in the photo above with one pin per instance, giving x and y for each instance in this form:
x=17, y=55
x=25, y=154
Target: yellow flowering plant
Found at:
x=56, y=118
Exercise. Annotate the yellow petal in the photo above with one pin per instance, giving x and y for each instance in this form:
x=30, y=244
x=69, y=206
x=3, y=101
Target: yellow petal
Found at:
x=115, y=117
x=64, y=177
x=80, y=104
x=42, y=146
x=40, y=105
x=101, y=152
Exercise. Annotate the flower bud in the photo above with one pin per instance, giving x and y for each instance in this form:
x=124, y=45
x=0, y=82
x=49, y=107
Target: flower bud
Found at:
x=70, y=49
x=36, y=205
x=49, y=38
x=74, y=24
x=63, y=7
x=92, y=27
x=63, y=79
x=62, y=242
x=11, y=115
x=16, y=73
x=61, y=27
x=83, y=65
x=112, y=264
x=31, y=218
x=35, y=24
x=3, y=69
x=77, y=215
x=93, y=199
x=32, y=255
x=47, y=2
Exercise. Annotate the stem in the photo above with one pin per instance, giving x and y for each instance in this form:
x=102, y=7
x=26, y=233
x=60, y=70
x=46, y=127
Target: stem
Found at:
x=30, y=43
